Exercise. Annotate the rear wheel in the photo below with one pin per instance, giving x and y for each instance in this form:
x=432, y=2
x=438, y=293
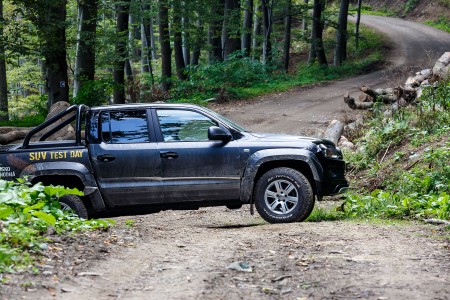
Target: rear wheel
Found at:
x=73, y=202
x=284, y=195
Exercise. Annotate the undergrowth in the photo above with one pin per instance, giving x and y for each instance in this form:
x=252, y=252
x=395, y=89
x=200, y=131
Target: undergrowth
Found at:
x=27, y=212
x=403, y=162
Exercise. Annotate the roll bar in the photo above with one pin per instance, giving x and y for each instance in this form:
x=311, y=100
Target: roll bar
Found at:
x=78, y=109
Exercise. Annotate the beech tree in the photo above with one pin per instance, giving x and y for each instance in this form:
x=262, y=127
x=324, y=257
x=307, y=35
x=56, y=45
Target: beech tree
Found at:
x=231, y=28
x=85, y=52
x=247, y=27
x=3, y=81
x=340, y=52
x=317, y=50
x=164, y=39
x=358, y=20
x=287, y=35
x=122, y=10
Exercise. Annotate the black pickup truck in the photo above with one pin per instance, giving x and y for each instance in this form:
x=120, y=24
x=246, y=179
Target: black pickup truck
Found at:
x=143, y=158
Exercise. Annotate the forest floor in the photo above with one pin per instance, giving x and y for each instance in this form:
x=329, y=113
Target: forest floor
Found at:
x=216, y=253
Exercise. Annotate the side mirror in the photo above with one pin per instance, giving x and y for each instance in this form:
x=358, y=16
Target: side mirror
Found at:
x=216, y=133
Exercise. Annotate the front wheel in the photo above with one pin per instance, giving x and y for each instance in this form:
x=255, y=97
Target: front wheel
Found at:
x=284, y=195
x=73, y=202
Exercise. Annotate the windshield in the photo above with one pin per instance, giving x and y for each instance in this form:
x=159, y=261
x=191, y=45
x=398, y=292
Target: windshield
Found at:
x=227, y=121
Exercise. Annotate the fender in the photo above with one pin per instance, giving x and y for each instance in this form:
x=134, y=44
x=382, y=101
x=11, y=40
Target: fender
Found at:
x=68, y=168
x=258, y=158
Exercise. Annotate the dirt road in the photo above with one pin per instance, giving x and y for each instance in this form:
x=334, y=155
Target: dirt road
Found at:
x=187, y=255
x=414, y=47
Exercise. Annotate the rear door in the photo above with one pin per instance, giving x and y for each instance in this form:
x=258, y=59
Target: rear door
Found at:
x=127, y=160
x=195, y=168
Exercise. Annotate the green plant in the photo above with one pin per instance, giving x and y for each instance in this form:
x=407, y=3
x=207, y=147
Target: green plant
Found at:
x=26, y=211
x=94, y=92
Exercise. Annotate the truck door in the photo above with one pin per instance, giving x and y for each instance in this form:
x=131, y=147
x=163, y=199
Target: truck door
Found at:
x=195, y=168
x=126, y=160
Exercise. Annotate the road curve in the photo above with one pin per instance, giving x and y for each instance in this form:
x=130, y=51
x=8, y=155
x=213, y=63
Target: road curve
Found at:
x=413, y=47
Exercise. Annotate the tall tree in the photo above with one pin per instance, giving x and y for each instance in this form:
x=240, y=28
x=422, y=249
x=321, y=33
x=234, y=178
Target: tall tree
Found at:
x=122, y=10
x=231, y=28
x=146, y=47
x=317, y=50
x=267, y=14
x=256, y=31
x=340, y=51
x=164, y=39
x=305, y=18
x=3, y=82
x=358, y=20
x=215, y=31
x=178, y=41
x=287, y=34
x=247, y=27
x=85, y=52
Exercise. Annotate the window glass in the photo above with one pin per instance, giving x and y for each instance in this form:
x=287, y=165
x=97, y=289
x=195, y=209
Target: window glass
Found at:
x=184, y=125
x=119, y=127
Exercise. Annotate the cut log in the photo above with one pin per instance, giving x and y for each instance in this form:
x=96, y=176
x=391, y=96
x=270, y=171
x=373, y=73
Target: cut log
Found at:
x=12, y=136
x=334, y=131
x=364, y=98
x=407, y=93
x=8, y=129
x=442, y=66
x=384, y=95
x=353, y=104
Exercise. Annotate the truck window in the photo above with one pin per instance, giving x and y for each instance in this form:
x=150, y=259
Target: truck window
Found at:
x=124, y=127
x=184, y=125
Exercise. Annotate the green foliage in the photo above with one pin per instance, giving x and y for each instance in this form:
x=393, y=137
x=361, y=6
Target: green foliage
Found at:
x=322, y=214
x=94, y=92
x=420, y=190
x=26, y=212
x=442, y=23
x=410, y=5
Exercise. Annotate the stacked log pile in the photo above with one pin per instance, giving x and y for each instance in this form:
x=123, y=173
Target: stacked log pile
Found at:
x=400, y=96
x=393, y=97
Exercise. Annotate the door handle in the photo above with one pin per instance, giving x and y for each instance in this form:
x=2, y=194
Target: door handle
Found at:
x=106, y=157
x=168, y=154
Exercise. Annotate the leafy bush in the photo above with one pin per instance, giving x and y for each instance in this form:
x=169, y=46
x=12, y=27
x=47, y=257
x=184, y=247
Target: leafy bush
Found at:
x=94, y=92
x=26, y=212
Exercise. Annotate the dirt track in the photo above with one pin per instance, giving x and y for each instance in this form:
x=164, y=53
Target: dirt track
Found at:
x=185, y=255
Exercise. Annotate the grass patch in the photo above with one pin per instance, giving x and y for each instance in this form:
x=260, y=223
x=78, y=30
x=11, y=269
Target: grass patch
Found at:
x=320, y=214
x=442, y=23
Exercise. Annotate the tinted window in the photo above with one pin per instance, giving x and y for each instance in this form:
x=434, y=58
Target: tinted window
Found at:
x=184, y=125
x=120, y=127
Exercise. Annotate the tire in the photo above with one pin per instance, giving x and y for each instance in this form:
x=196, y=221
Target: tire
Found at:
x=74, y=202
x=284, y=195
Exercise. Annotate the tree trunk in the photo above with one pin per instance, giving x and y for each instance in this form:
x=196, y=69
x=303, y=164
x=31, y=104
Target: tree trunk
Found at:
x=247, y=27
x=358, y=20
x=287, y=35
x=197, y=43
x=164, y=39
x=231, y=26
x=3, y=82
x=122, y=11
x=317, y=51
x=340, y=53
x=256, y=31
x=54, y=52
x=305, y=19
x=85, y=52
x=186, y=41
x=177, y=41
x=145, y=40
x=267, y=30
x=215, y=32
